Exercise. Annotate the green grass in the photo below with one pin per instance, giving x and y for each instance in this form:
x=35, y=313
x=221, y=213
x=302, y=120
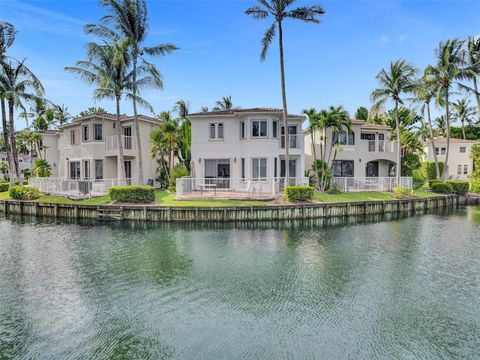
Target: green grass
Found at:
x=162, y=198
x=366, y=196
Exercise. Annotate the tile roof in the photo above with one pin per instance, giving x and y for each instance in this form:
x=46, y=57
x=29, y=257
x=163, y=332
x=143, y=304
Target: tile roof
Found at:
x=365, y=125
x=48, y=132
x=113, y=117
x=232, y=112
x=453, y=141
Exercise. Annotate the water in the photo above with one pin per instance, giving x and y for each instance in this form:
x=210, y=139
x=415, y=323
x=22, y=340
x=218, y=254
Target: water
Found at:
x=401, y=289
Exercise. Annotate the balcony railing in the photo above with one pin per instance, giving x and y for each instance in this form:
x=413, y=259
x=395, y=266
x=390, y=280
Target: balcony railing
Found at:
x=111, y=142
x=349, y=184
x=380, y=146
x=294, y=141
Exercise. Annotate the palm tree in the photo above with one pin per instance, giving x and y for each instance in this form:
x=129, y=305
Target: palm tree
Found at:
x=130, y=19
x=399, y=79
x=61, y=114
x=225, y=103
x=313, y=126
x=204, y=109
x=463, y=112
x=449, y=70
x=279, y=11
x=362, y=113
x=182, y=107
x=473, y=61
x=441, y=125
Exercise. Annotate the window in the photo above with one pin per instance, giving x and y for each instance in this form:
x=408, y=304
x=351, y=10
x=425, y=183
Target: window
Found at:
x=275, y=129
x=442, y=151
x=459, y=169
x=242, y=170
x=242, y=129
x=86, y=169
x=259, y=128
x=343, y=168
x=73, y=137
x=85, y=132
x=75, y=170
x=259, y=168
x=98, y=169
x=463, y=149
x=220, y=131
x=342, y=138
x=216, y=131
x=212, y=131
x=275, y=171
x=436, y=151
x=351, y=138
x=365, y=136
x=98, y=132
x=465, y=169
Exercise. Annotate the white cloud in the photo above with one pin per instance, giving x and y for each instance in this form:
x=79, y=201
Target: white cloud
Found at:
x=384, y=40
x=402, y=38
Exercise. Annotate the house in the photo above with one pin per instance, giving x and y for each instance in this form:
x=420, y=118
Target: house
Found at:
x=240, y=147
x=460, y=163
x=363, y=158
x=24, y=162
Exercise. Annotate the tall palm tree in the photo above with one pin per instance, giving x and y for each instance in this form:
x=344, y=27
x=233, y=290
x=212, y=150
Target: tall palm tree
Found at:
x=225, y=103
x=61, y=114
x=449, y=70
x=441, y=125
x=182, y=107
x=473, y=60
x=314, y=123
x=394, y=82
x=279, y=11
x=130, y=19
x=463, y=112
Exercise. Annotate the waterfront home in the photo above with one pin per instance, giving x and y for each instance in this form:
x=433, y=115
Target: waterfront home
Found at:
x=242, y=151
x=363, y=158
x=460, y=163
x=24, y=163
x=87, y=149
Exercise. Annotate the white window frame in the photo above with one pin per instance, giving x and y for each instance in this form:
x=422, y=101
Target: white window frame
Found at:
x=73, y=137
x=259, y=165
x=215, y=131
x=95, y=134
x=259, y=127
x=275, y=127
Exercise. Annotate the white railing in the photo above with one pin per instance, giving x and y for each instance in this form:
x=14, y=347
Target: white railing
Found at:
x=111, y=142
x=77, y=189
x=263, y=187
x=294, y=141
x=348, y=184
x=380, y=145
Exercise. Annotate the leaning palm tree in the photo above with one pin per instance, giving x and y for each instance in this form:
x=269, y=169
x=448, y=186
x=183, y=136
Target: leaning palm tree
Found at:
x=450, y=69
x=182, y=107
x=463, y=112
x=225, y=103
x=279, y=11
x=473, y=60
x=397, y=80
x=130, y=19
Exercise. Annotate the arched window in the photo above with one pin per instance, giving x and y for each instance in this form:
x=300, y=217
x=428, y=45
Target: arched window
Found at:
x=351, y=138
x=220, y=131
x=212, y=131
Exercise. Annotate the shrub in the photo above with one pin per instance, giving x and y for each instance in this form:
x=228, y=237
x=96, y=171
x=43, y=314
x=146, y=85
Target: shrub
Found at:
x=441, y=187
x=418, y=179
x=428, y=169
x=335, y=189
x=299, y=193
x=475, y=187
x=24, y=192
x=400, y=193
x=459, y=187
x=41, y=168
x=4, y=185
x=132, y=194
x=178, y=171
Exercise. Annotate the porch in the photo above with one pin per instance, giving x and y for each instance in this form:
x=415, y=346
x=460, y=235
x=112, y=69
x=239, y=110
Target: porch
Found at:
x=351, y=184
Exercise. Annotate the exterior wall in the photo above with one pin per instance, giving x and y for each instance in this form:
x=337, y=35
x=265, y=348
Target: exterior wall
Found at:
x=359, y=152
x=24, y=161
x=233, y=148
x=455, y=158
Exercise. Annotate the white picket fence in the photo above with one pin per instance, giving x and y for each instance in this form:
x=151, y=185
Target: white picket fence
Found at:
x=350, y=184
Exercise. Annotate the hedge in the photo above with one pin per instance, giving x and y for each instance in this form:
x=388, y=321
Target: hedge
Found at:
x=4, y=185
x=299, y=193
x=475, y=187
x=24, y=192
x=132, y=194
x=459, y=187
x=429, y=170
x=441, y=187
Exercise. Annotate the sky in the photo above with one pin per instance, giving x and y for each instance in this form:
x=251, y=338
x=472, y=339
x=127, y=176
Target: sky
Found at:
x=333, y=63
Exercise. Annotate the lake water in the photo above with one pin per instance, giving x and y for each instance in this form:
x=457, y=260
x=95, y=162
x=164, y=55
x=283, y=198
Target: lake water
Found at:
x=400, y=289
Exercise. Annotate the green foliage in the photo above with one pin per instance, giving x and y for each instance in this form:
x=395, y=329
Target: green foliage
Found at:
x=475, y=187
x=3, y=167
x=41, y=168
x=418, y=178
x=472, y=132
x=459, y=187
x=401, y=193
x=475, y=155
x=362, y=113
x=299, y=193
x=132, y=194
x=428, y=169
x=334, y=190
x=178, y=171
x=91, y=111
x=441, y=187
x=24, y=192
x=4, y=185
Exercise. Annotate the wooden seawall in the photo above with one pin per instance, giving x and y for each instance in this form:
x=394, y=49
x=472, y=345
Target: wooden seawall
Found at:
x=221, y=214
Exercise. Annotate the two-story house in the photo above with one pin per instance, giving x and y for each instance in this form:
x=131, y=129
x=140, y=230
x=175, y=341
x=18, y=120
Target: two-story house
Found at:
x=460, y=163
x=246, y=144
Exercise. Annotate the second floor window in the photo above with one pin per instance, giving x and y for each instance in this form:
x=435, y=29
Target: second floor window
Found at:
x=259, y=128
x=463, y=149
x=85, y=132
x=73, y=137
x=442, y=151
x=275, y=129
x=242, y=130
x=342, y=138
x=98, y=132
x=216, y=131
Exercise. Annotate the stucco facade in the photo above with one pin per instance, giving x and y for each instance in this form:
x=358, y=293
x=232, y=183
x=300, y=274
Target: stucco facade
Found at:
x=245, y=144
x=460, y=163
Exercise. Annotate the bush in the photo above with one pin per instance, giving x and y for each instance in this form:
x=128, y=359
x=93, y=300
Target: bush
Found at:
x=441, y=187
x=299, y=193
x=418, y=179
x=178, y=171
x=132, y=194
x=459, y=187
x=24, y=192
x=428, y=169
x=475, y=187
x=334, y=189
x=4, y=185
x=41, y=168
x=401, y=193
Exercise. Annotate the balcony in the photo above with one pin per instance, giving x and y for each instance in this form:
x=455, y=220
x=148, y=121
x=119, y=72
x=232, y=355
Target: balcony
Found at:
x=379, y=146
x=111, y=145
x=294, y=141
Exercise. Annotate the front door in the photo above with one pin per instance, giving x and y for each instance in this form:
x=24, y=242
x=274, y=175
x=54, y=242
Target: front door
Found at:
x=128, y=171
x=292, y=170
x=223, y=174
x=372, y=169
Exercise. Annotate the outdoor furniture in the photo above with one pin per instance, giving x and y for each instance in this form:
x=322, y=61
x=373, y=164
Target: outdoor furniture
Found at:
x=206, y=187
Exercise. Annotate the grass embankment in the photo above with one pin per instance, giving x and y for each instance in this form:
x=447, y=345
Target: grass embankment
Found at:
x=366, y=196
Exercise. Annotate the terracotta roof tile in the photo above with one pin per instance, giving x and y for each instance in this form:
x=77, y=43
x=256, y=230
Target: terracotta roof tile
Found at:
x=240, y=111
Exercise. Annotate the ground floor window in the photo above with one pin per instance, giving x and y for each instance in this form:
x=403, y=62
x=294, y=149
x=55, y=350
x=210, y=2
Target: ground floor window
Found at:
x=465, y=169
x=98, y=169
x=343, y=168
x=259, y=168
x=217, y=168
x=86, y=169
x=292, y=168
x=75, y=170
x=242, y=170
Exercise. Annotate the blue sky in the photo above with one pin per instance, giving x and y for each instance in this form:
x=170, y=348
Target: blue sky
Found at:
x=333, y=63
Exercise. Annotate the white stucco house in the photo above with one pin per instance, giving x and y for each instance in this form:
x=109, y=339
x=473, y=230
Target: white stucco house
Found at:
x=238, y=149
x=460, y=163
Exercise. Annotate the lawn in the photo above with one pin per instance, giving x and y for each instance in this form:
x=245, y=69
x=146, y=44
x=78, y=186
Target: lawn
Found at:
x=366, y=196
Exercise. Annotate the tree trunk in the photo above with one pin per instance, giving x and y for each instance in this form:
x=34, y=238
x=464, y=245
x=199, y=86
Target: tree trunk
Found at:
x=317, y=172
x=137, y=125
x=432, y=137
x=13, y=142
x=477, y=95
x=447, y=115
x=398, y=173
x=463, y=129
x=121, y=159
x=7, y=140
x=284, y=101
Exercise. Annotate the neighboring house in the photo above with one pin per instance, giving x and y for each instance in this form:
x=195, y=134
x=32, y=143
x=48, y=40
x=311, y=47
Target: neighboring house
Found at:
x=87, y=148
x=49, y=149
x=366, y=151
x=460, y=163
x=245, y=145
x=24, y=161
